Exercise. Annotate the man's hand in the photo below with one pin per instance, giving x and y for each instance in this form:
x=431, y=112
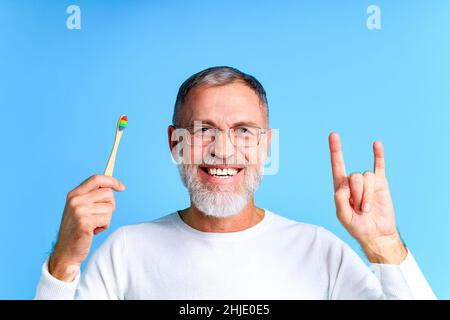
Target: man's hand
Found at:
x=88, y=211
x=364, y=206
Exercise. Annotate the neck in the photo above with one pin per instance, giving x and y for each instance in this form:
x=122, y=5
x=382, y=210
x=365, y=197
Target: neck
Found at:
x=246, y=218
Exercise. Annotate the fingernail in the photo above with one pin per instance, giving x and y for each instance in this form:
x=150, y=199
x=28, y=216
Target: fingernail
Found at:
x=366, y=207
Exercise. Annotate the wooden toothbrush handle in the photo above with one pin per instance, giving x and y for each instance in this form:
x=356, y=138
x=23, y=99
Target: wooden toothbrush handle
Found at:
x=112, y=158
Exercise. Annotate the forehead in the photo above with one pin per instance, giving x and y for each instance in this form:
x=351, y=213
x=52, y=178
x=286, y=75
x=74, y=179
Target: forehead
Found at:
x=224, y=105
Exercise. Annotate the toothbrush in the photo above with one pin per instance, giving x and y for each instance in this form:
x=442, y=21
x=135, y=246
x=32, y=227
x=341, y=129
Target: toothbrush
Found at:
x=121, y=124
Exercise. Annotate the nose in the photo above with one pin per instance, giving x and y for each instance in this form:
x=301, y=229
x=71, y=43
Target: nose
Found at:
x=222, y=148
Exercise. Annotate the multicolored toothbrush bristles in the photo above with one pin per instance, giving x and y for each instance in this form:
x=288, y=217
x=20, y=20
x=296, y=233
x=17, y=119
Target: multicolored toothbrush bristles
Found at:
x=121, y=124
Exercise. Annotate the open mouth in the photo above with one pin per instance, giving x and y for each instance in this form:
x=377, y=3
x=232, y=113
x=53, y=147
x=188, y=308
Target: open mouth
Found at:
x=221, y=172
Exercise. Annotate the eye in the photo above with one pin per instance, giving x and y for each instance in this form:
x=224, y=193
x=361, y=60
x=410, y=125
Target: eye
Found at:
x=244, y=131
x=204, y=131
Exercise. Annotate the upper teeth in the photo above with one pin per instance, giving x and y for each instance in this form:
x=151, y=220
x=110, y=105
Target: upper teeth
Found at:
x=222, y=172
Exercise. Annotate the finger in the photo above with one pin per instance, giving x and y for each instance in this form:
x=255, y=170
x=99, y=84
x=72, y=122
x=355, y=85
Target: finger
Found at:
x=369, y=187
x=98, y=181
x=379, y=164
x=337, y=160
x=356, y=189
x=98, y=230
x=101, y=208
x=94, y=208
x=97, y=196
x=342, y=201
x=101, y=222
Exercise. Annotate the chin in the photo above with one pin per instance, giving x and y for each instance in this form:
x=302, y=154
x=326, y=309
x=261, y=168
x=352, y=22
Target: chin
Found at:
x=219, y=204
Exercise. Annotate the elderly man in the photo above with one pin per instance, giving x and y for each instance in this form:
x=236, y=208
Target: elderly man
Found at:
x=223, y=246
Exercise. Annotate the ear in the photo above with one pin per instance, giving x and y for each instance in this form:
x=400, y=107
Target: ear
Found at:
x=268, y=140
x=172, y=144
x=265, y=144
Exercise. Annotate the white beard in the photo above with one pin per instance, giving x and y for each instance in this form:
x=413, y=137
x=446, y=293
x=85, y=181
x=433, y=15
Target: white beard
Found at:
x=224, y=200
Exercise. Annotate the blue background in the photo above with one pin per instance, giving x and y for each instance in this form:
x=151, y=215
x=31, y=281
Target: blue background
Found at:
x=62, y=90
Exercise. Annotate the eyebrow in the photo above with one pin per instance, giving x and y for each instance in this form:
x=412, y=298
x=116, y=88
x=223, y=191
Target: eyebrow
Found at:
x=240, y=123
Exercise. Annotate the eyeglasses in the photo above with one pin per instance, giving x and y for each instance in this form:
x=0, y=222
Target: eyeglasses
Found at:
x=241, y=136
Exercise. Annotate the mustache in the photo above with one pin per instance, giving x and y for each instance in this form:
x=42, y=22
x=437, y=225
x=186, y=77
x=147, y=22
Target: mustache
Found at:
x=235, y=161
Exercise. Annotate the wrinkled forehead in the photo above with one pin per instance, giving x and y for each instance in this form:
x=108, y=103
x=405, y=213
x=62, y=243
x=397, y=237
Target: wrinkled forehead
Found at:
x=224, y=106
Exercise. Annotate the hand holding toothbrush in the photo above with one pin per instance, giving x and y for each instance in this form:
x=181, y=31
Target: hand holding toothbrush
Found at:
x=88, y=211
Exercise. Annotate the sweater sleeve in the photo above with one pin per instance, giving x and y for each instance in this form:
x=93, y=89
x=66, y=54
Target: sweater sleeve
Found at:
x=102, y=278
x=350, y=278
x=406, y=276
x=51, y=288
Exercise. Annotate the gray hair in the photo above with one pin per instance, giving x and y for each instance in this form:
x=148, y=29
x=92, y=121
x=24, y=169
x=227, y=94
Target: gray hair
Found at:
x=218, y=76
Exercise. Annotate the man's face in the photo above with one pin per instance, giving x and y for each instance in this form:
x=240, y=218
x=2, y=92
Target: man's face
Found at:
x=224, y=173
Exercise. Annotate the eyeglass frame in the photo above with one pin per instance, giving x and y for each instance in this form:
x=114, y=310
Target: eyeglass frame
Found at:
x=261, y=132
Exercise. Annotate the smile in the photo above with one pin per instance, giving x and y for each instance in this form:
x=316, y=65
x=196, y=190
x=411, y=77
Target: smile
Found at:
x=221, y=173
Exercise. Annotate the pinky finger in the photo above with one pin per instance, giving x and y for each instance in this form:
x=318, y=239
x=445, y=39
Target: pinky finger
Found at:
x=101, y=222
x=98, y=230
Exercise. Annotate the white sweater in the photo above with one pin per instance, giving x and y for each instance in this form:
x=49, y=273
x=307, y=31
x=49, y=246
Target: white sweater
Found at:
x=277, y=258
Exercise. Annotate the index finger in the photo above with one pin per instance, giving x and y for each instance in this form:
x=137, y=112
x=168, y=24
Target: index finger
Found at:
x=98, y=181
x=337, y=160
